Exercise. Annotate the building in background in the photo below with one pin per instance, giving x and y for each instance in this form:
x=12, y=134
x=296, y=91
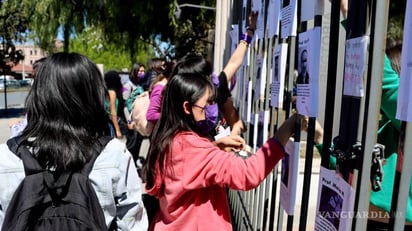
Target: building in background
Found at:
x=31, y=53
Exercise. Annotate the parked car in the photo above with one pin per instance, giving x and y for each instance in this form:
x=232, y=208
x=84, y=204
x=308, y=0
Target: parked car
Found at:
x=26, y=82
x=10, y=83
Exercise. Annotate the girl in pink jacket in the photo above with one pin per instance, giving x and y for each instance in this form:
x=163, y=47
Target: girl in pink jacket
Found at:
x=187, y=172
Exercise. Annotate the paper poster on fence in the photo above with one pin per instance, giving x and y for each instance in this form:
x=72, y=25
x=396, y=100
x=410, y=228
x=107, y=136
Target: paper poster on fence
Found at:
x=273, y=18
x=289, y=177
x=309, y=12
x=312, y=8
x=404, y=108
x=247, y=110
x=234, y=36
x=307, y=82
x=259, y=74
x=289, y=18
x=355, y=58
x=278, y=74
x=238, y=92
x=259, y=6
x=334, y=210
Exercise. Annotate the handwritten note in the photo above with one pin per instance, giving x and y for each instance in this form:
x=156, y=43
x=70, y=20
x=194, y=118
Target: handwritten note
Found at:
x=355, y=66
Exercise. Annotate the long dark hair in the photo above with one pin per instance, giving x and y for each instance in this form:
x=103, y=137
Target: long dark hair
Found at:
x=166, y=73
x=193, y=63
x=113, y=82
x=134, y=71
x=173, y=119
x=65, y=112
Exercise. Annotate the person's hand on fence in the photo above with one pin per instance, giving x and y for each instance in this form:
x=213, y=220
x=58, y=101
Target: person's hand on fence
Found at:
x=231, y=143
x=318, y=129
x=286, y=130
x=252, y=20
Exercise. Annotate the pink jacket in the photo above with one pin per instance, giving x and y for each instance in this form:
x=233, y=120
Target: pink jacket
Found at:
x=193, y=196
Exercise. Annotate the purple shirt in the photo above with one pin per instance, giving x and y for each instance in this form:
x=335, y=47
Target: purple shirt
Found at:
x=153, y=112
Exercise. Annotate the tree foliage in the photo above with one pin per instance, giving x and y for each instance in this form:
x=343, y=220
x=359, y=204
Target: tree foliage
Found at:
x=129, y=23
x=396, y=19
x=48, y=17
x=13, y=24
x=134, y=24
x=192, y=29
x=92, y=44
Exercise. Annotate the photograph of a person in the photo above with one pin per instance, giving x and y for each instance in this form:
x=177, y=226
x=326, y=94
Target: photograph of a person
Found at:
x=331, y=206
x=285, y=170
x=276, y=69
x=303, y=77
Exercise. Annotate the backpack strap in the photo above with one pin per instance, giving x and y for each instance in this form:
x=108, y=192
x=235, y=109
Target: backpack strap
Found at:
x=57, y=187
x=31, y=166
x=103, y=140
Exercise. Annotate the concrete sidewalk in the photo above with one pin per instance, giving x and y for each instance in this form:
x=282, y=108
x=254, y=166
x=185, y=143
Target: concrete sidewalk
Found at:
x=12, y=114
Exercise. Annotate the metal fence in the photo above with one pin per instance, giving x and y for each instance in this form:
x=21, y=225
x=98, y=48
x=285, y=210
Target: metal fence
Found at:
x=261, y=208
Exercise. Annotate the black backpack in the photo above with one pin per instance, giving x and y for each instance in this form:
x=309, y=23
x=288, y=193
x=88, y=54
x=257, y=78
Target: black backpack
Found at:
x=44, y=203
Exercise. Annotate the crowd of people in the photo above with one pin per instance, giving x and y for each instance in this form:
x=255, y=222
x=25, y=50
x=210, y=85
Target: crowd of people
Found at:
x=181, y=181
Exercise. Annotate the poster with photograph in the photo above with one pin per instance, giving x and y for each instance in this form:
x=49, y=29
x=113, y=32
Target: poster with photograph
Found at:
x=404, y=108
x=278, y=74
x=355, y=58
x=289, y=176
x=257, y=121
x=288, y=18
x=334, y=210
x=259, y=74
x=307, y=82
x=273, y=18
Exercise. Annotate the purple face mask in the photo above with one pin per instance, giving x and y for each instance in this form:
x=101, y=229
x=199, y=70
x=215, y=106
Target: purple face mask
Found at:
x=140, y=75
x=209, y=123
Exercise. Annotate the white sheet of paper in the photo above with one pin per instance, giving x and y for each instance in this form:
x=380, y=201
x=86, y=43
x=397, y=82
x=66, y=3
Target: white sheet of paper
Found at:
x=307, y=99
x=289, y=18
x=278, y=74
x=312, y=8
x=355, y=58
x=225, y=132
x=259, y=5
x=334, y=209
x=248, y=108
x=258, y=75
x=273, y=18
x=309, y=12
x=289, y=177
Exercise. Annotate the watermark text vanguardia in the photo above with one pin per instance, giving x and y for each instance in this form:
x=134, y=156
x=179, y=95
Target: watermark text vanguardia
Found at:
x=358, y=214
